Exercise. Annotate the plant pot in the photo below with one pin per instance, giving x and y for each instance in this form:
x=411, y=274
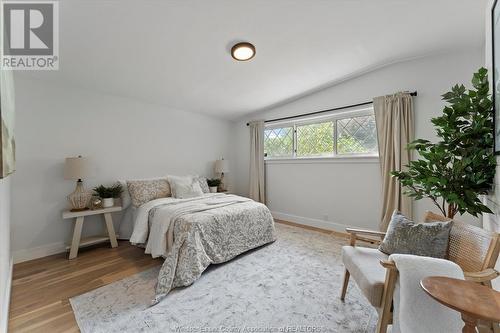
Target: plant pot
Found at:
x=213, y=189
x=108, y=202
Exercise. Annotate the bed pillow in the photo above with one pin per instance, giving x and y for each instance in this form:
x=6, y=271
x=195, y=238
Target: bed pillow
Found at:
x=185, y=187
x=145, y=190
x=423, y=239
x=203, y=184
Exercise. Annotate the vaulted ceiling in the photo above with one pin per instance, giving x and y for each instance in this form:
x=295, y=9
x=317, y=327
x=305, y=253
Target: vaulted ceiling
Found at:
x=176, y=53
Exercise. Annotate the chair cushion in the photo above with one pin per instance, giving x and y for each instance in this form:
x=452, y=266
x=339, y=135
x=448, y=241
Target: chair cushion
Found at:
x=364, y=266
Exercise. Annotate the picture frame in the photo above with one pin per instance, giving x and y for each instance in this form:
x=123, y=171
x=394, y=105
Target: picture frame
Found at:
x=7, y=115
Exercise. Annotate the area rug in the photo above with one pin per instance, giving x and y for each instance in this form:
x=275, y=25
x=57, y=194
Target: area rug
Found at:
x=291, y=285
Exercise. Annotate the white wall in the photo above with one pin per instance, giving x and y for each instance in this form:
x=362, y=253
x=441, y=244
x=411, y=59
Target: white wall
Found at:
x=348, y=192
x=7, y=93
x=5, y=253
x=125, y=138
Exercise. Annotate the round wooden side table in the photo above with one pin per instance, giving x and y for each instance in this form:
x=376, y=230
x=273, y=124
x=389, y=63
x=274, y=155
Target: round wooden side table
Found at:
x=472, y=300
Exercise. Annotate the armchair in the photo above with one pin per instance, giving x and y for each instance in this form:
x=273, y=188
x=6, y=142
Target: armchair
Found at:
x=474, y=249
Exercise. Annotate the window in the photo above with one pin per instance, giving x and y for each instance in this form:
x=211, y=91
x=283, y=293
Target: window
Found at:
x=357, y=135
x=347, y=134
x=278, y=142
x=315, y=139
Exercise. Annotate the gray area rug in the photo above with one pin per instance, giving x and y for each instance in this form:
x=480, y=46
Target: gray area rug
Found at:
x=291, y=285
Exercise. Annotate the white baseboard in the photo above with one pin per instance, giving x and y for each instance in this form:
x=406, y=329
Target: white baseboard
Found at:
x=38, y=252
x=328, y=225
x=4, y=313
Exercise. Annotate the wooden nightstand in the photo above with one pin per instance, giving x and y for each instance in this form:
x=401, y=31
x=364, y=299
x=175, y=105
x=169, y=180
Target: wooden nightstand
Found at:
x=77, y=231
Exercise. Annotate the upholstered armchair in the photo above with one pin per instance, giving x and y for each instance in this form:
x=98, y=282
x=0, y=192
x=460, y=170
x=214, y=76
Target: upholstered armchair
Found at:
x=474, y=249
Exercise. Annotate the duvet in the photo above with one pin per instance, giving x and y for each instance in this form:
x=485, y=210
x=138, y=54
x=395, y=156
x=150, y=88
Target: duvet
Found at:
x=193, y=233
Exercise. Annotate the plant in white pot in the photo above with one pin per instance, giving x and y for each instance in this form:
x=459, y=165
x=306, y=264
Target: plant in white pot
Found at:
x=108, y=194
x=213, y=184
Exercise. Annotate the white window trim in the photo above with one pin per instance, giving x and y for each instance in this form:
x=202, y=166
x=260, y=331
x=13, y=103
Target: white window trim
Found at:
x=354, y=159
x=331, y=158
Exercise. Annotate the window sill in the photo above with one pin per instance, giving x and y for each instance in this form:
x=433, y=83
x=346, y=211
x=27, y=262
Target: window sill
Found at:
x=354, y=159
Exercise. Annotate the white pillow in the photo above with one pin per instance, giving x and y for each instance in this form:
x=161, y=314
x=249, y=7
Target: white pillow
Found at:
x=185, y=187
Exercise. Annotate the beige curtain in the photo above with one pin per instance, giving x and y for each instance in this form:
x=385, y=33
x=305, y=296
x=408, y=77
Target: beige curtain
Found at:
x=394, y=117
x=257, y=191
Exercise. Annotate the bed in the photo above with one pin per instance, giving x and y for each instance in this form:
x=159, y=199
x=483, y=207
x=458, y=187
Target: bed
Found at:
x=193, y=233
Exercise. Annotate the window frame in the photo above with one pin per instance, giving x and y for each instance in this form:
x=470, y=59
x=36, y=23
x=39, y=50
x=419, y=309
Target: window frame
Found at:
x=282, y=125
x=365, y=111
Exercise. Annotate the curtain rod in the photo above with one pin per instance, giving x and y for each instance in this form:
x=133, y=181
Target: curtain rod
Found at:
x=323, y=111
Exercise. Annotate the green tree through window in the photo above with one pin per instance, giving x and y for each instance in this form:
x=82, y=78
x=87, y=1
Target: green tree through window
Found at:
x=315, y=139
x=278, y=142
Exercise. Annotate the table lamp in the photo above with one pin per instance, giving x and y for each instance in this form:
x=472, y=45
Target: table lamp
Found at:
x=221, y=166
x=78, y=168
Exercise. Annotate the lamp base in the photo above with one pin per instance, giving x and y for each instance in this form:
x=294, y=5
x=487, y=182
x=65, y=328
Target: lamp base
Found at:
x=80, y=198
x=222, y=186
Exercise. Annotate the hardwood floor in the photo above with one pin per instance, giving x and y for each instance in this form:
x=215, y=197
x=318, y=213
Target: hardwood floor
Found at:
x=41, y=288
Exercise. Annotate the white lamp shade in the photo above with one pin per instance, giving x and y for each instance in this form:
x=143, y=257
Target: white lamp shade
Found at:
x=221, y=166
x=78, y=168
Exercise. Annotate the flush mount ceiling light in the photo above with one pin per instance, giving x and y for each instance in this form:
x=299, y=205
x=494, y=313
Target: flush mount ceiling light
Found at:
x=243, y=51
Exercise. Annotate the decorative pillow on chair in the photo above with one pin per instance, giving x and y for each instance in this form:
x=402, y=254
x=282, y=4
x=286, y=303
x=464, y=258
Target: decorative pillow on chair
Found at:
x=423, y=239
x=185, y=187
x=145, y=190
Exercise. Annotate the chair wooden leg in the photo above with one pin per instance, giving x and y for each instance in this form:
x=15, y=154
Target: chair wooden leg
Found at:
x=385, y=313
x=345, y=284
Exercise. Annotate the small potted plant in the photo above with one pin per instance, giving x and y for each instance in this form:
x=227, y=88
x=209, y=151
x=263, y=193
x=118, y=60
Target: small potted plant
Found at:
x=213, y=184
x=108, y=194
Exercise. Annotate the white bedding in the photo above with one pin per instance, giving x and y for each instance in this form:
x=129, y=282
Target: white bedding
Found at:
x=193, y=233
x=152, y=226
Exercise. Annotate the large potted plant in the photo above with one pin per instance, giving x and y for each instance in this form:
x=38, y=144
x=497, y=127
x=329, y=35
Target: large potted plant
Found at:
x=456, y=170
x=108, y=194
